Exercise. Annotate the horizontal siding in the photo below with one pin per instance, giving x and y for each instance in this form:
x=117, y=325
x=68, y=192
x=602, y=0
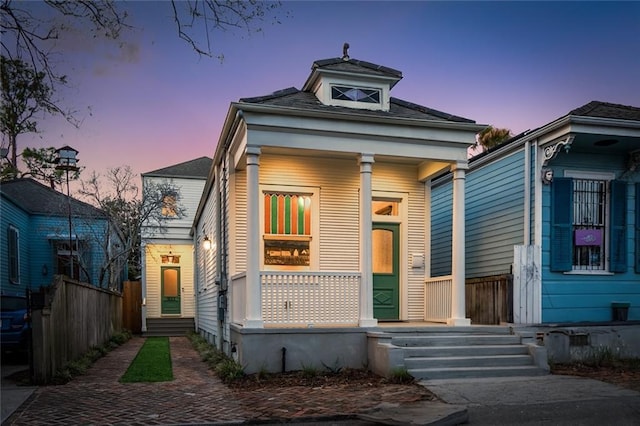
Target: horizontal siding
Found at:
x=45, y=229
x=237, y=208
x=338, y=181
x=494, y=215
x=494, y=218
x=584, y=297
x=207, y=271
x=190, y=194
x=403, y=178
x=441, y=229
x=153, y=265
x=10, y=214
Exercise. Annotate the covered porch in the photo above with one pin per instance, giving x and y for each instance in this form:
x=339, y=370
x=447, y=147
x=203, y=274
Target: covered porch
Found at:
x=331, y=299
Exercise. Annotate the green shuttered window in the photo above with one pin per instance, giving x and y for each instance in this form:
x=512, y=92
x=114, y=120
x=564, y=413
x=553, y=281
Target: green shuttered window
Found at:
x=588, y=225
x=561, y=224
x=618, y=254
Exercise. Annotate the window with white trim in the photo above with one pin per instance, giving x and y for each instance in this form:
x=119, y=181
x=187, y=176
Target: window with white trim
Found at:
x=355, y=94
x=289, y=225
x=588, y=223
x=590, y=205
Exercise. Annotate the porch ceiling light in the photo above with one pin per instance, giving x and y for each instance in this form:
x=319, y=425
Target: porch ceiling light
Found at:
x=170, y=257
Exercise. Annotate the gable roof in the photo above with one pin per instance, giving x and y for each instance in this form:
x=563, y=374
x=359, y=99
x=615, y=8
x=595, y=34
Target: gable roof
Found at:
x=608, y=110
x=192, y=169
x=295, y=98
x=36, y=198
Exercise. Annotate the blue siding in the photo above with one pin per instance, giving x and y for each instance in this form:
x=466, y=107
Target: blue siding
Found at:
x=494, y=200
x=12, y=215
x=441, y=226
x=570, y=297
x=495, y=215
x=49, y=229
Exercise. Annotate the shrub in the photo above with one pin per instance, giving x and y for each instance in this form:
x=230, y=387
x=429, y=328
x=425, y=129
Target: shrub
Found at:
x=229, y=370
x=400, y=375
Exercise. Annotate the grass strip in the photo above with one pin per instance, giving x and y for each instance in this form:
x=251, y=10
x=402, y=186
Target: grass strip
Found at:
x=151, y=364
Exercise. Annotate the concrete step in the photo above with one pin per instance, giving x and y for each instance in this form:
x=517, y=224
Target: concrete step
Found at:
x=169, y=326
x=475, y=372
x=431, y=330
x=468, y=361
x=468, y=350
x=455, y=340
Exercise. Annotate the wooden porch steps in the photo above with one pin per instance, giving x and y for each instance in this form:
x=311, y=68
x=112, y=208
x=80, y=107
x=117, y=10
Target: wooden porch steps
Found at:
x=464, y=352
x=169, y=326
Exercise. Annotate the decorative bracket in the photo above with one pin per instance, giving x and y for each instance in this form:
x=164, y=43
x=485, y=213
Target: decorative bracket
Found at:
x=550, y=152
x=634, y=160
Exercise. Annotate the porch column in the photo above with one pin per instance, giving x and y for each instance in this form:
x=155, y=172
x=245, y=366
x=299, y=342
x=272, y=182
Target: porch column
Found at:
x=253, y=317
x=366, y=225
x=458, y=247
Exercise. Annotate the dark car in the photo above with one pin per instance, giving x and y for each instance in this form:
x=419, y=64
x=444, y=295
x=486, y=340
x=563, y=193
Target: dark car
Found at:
x=15, y=323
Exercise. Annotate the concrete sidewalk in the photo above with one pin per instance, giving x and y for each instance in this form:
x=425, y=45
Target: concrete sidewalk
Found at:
x=550, y=399
x=13, y=396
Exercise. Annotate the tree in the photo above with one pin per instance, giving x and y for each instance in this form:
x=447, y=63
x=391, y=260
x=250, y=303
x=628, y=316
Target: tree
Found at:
x=30, y=32
x=31, y=36
x=127, y=209
x=206, y=16
x=492, y=137
x=25, y=94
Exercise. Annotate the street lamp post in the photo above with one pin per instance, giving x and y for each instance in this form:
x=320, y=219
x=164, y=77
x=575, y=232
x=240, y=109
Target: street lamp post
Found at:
x=67, y=162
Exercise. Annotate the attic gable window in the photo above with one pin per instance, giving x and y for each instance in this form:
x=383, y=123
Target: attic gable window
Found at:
x=355, y=94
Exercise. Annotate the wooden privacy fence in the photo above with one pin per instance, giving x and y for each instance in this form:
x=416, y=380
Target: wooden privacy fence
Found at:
x=132, y=306
x=72, y=318
x=489, y=300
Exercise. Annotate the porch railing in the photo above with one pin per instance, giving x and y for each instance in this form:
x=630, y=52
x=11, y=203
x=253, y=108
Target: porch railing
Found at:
x=437, y=298
x=310, y=299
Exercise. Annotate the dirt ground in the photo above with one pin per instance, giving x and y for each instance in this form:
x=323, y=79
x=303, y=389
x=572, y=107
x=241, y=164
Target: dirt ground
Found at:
x=625, y=374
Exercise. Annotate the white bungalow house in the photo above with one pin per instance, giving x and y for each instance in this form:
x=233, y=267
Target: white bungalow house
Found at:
x=168, y=303
x=318, y=206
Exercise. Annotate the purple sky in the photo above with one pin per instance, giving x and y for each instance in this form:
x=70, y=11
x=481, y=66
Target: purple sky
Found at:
x=518, y=65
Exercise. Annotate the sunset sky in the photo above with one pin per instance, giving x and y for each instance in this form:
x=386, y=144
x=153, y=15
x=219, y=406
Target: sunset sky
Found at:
x=154, y=102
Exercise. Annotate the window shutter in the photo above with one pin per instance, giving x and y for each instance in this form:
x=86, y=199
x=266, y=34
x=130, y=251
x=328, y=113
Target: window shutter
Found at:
x=618, y=215
x=561, y=224
x=637, y=228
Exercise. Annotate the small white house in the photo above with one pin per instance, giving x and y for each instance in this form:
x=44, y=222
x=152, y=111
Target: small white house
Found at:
x=318, y=210
x=168, y=305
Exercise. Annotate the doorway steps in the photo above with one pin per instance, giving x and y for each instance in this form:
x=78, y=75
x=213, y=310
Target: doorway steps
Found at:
x=169, y=326
x=436, y=353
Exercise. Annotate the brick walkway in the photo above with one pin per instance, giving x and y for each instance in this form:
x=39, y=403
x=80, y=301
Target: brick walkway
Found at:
x=195, y=396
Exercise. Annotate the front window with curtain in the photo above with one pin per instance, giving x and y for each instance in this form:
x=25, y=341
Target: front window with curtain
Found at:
x=287, y=229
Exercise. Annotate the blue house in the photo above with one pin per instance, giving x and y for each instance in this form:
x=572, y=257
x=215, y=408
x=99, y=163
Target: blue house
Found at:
x=39, y=239
x=557, y=209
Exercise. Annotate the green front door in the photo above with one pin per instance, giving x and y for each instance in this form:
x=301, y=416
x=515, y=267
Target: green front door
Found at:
x=170, y=290
x=386, y=271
